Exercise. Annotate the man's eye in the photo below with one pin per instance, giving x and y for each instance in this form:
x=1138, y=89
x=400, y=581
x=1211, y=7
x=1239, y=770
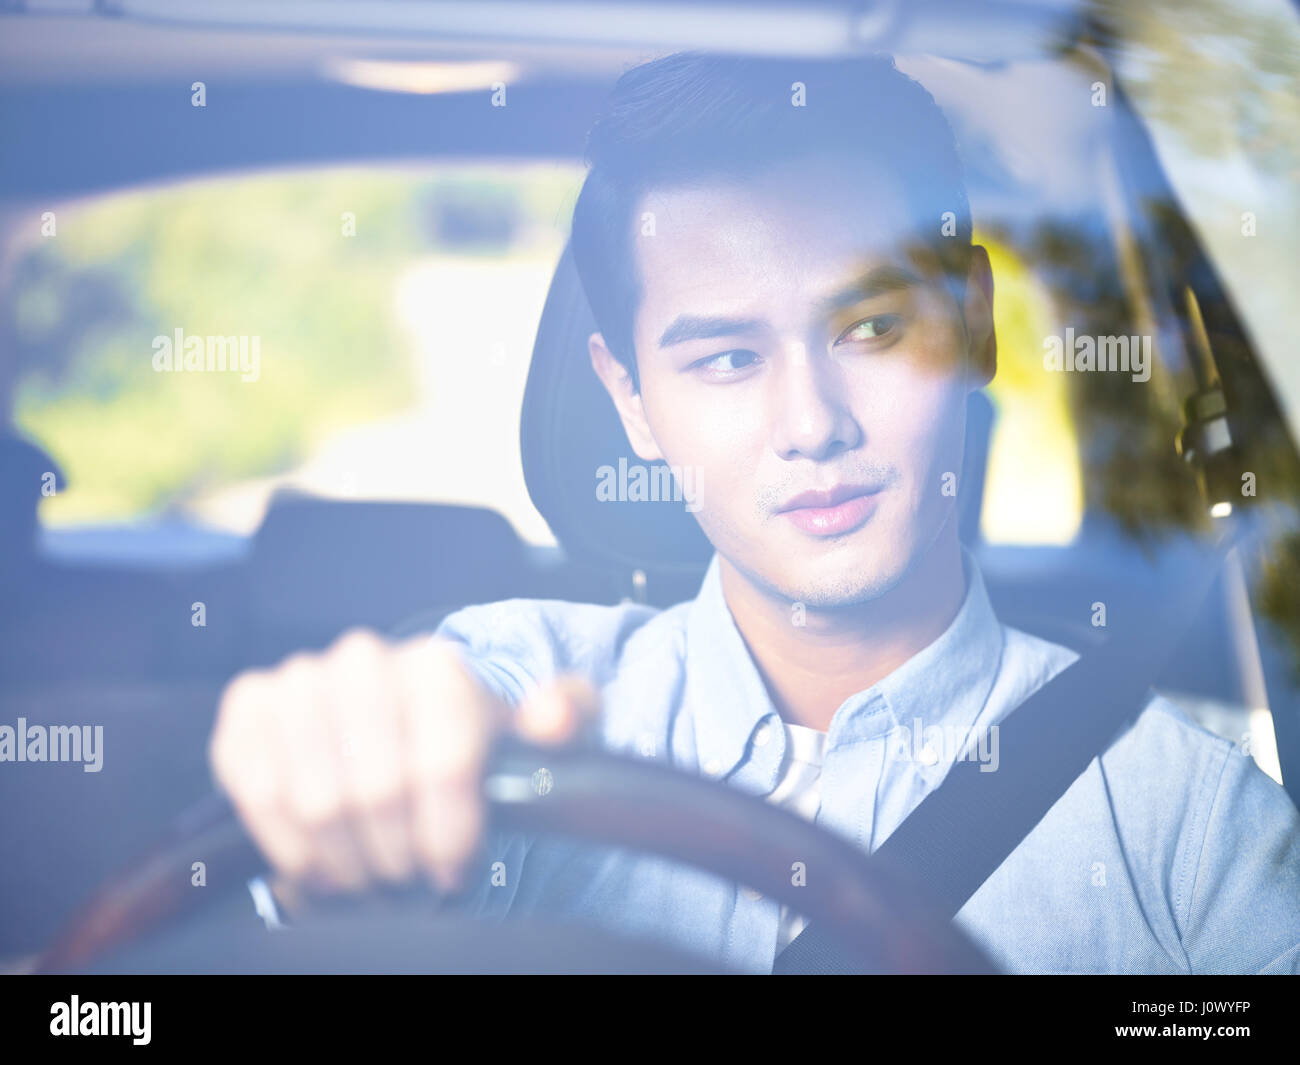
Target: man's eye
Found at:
x=869, y=329
x=727, y=363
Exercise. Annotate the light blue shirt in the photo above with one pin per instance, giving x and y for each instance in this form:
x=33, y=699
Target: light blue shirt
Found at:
x=1172, y=853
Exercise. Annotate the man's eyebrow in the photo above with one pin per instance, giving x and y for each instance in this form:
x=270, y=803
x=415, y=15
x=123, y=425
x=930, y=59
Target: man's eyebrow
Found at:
x=874, y=282
x=693, y=327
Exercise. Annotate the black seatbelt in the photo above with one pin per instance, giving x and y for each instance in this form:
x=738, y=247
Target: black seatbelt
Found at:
x=962, y=831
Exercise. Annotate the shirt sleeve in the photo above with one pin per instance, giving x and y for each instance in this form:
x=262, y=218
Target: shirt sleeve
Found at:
x=513, y=646
x=1244, y=907
x=508, y=661
x=506, y=652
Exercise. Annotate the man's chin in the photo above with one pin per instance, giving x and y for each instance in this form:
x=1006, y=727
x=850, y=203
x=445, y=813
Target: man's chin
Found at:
x=839, y=576
x=843, y=592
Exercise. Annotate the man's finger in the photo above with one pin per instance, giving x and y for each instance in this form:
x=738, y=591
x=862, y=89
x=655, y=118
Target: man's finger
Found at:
x=558, y=711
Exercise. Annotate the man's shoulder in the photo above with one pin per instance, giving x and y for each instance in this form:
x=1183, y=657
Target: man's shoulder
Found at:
x=1205, y=834
x=1162, y=762
x=1177, y=792
x=1166, y=762
x=1168, y=759
x=1162, y=738
x=1162, y=730
x=1164, y=726
x=1228, y=834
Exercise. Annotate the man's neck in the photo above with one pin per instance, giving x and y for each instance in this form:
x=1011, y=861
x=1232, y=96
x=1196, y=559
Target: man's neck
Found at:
x=810, y=669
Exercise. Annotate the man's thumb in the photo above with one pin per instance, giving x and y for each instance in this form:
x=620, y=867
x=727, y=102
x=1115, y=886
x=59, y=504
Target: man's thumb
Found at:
x=558, y=710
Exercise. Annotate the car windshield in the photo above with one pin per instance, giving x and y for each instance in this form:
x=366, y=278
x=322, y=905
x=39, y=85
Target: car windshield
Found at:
x=265, y=380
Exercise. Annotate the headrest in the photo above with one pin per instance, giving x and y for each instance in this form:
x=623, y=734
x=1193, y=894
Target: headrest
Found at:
x=572, y=441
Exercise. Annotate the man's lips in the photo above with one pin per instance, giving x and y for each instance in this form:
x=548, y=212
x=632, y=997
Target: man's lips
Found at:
x=832, y=512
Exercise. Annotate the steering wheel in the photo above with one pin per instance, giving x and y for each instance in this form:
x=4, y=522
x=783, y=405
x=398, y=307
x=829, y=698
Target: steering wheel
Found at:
x=877, y=913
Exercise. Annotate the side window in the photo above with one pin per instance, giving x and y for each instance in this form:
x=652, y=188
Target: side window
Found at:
x=189, y=350
x=1033, y=492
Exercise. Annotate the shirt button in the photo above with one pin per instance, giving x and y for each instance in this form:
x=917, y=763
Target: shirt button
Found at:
x=762, y=736
x=751, y=894
x=929, y=756
x=713, y=767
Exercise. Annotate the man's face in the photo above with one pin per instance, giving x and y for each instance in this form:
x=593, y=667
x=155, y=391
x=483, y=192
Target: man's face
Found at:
x=795, y=357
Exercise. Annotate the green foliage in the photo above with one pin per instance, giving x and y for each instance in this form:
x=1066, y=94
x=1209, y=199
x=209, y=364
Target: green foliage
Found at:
x=257, y=256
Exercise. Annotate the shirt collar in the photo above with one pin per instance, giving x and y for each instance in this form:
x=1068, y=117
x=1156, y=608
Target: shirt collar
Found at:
x=946, y=683
x=725, y=694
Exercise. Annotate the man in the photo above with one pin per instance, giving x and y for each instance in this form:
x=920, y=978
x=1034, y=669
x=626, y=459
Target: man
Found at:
x=779, y=258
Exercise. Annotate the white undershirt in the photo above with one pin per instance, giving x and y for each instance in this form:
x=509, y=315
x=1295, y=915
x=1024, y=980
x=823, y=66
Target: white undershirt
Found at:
x=799, y=789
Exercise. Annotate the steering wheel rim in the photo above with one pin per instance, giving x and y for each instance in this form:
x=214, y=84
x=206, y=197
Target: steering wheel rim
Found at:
x=879, y=913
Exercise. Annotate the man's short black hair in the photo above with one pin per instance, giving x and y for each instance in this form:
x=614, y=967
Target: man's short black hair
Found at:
x=693, y=116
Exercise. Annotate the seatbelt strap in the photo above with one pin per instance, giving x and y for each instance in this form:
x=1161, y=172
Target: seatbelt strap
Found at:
x=962, y=831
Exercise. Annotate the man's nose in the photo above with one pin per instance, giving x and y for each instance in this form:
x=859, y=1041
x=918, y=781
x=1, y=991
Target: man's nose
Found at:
x=809, y=410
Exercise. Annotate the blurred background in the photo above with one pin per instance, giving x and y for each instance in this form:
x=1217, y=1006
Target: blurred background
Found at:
x=350, y=193
x=382, y=349
x=436, y=295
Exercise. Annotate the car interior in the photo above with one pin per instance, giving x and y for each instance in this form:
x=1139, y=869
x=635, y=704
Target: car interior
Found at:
x=1119, y=253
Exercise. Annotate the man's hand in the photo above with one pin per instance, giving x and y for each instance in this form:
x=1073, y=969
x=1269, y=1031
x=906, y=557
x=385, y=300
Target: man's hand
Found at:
x=362, y=764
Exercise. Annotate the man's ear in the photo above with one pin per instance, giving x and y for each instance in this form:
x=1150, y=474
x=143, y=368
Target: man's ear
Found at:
x=982, y=341
x=627, y=398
